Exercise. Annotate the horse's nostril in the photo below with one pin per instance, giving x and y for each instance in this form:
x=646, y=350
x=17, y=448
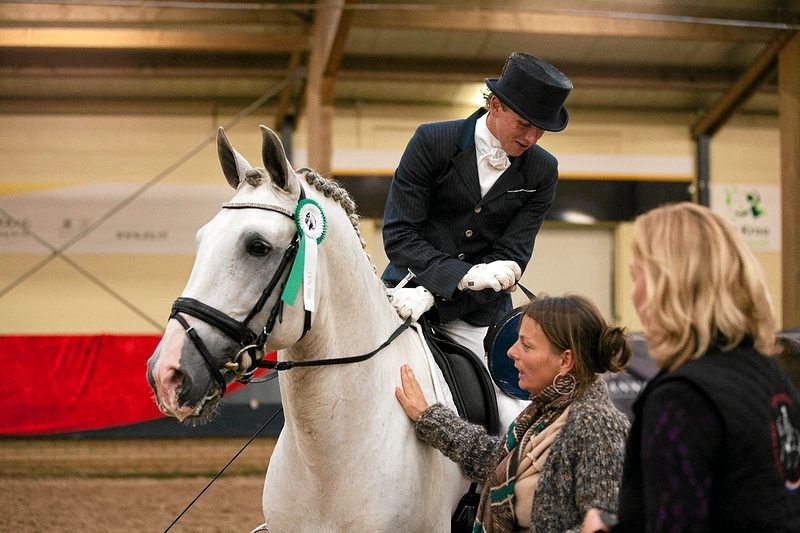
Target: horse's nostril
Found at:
x=174, y=376
x=169, y=379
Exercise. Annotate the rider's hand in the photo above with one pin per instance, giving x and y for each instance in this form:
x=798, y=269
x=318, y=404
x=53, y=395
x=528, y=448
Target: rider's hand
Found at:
x=506, y=272
x=497, y=275
x=410, y=302
x=410, y=395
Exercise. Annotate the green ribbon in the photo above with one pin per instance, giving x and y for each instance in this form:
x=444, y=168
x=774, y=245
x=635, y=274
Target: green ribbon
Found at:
x=309, y=219
x=295, y=279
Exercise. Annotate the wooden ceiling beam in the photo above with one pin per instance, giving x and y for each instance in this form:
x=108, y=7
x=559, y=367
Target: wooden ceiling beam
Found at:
x=419, y=69
x=405, y=70
x=148, y=39
x=43, y=13
x=551, y=23
x=427, y=16
x=81, y=64
x=331, y=28
x=336, y=53
x=133, y=105
x=747, y=83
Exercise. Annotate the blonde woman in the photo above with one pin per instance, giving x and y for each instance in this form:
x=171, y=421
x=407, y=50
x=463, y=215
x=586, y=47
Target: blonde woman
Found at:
x=563, y=453
x=715, y=443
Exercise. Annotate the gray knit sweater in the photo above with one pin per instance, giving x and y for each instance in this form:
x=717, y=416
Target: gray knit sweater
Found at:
x=583, y=468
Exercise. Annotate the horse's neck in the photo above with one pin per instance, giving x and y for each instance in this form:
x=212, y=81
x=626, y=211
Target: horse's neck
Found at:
x=353, y=309
x=353, y=318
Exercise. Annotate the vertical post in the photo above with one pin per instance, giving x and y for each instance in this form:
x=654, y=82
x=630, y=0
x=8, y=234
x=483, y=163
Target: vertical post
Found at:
x=319, y=112
x=789, y=124
x=702, y=170
x=319, y=118
x=331, y=25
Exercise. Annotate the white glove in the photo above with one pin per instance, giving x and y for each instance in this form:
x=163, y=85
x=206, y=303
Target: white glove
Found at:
x=497, y=275
x=410, y=302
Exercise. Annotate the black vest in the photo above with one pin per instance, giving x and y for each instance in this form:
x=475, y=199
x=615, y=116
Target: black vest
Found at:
x=756, y=485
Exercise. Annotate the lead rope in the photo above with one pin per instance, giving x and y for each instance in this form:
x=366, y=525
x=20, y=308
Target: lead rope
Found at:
x=257, y=433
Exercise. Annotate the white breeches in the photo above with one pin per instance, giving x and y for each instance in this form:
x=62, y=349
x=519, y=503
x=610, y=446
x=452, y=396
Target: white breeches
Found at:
x=472, y=338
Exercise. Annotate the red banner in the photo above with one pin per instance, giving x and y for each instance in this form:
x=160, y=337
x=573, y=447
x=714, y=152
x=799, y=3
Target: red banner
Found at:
x=59, y=384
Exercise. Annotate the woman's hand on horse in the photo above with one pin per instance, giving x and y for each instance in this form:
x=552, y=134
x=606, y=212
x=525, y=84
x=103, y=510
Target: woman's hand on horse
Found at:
x=595, y=522
x=410, y=395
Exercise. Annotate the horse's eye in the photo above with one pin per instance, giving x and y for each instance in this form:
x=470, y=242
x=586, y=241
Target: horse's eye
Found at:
x=258, y=248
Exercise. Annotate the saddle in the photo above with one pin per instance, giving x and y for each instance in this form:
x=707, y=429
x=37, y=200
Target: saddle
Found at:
x=467, y=377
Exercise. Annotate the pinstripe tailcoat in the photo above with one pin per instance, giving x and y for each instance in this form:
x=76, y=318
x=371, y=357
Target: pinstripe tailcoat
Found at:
x=437, y=224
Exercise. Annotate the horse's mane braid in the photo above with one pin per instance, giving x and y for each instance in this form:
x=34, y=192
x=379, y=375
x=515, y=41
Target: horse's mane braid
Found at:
x=331, y=189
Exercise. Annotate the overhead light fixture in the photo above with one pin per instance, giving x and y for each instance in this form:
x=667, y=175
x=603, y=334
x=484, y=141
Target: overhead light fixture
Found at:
x=577, y=217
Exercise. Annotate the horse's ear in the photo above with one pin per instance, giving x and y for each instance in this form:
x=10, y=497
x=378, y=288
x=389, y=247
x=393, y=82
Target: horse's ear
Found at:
x=234, y=166
x=275, y=161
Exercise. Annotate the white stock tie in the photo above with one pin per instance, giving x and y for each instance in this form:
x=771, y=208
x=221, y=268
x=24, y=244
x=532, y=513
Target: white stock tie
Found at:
x=496, y=158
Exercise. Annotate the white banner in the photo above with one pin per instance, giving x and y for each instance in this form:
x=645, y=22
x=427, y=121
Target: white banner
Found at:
x=754, y=210
x=163, y=220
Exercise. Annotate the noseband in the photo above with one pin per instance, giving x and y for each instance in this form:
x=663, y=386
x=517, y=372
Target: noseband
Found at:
x=250, y=343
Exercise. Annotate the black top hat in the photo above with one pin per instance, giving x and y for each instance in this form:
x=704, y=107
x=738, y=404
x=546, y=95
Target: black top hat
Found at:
x=535, y=90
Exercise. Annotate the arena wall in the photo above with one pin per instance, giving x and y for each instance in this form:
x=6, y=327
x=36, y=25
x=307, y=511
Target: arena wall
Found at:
x=99, y=214
x=115, y=154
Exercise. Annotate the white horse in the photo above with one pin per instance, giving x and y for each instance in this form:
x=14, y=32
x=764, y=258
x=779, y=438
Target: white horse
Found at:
x=347, y=458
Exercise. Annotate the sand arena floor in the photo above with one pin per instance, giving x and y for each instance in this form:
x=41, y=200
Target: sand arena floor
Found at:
x=132, y=485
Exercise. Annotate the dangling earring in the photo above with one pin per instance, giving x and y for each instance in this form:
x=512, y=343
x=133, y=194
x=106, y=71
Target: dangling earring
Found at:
x=565, y=385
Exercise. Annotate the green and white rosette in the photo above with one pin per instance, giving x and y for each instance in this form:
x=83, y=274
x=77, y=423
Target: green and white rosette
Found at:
x=311, y=226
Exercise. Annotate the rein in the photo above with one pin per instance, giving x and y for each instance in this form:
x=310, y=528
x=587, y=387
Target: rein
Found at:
x=287, y=365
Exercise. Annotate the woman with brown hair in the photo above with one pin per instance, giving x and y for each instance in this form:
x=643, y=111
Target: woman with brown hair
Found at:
x=715, y=442
x=563, y=453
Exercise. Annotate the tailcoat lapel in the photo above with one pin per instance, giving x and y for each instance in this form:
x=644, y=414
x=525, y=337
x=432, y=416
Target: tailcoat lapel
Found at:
x=465, y=162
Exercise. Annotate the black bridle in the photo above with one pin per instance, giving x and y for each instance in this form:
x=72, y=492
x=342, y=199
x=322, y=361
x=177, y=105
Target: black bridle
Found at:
x=239, y=331
x=249, y=341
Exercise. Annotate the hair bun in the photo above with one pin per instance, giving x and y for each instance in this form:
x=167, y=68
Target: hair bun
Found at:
x=614, y=349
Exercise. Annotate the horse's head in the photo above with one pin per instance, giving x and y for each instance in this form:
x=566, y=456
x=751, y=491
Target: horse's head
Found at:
x=229, y=314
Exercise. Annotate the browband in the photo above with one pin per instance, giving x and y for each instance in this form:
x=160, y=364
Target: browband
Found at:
x=257, y=205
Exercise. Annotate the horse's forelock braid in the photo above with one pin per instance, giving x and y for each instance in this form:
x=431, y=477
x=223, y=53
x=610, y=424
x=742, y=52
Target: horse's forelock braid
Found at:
x=331, y=189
